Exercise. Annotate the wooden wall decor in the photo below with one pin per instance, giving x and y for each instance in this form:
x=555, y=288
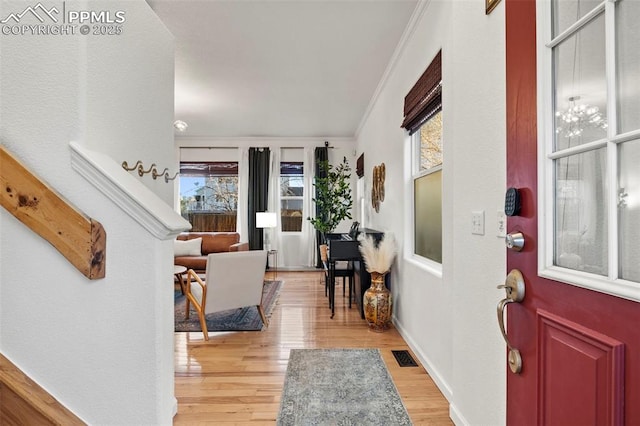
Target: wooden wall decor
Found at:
x=80, y=239
x=377, y=189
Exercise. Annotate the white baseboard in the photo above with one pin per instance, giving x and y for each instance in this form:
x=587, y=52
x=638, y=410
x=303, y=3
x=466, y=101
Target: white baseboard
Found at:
x=456, y=416
x=424, y=360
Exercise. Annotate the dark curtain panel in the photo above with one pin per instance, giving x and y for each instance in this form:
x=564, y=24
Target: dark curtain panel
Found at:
x=258, y=193
x=360, y=166
x=321, y=154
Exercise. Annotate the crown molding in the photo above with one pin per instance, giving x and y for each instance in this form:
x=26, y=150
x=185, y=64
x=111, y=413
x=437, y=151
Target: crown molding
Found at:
x=416, y=16
x=250, y=142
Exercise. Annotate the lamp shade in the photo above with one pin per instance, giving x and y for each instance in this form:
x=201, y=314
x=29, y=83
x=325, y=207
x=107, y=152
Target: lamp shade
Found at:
x=266, y=220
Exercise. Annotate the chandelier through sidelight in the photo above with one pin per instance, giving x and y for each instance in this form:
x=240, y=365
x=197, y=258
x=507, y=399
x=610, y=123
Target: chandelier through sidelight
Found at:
x=573, y=121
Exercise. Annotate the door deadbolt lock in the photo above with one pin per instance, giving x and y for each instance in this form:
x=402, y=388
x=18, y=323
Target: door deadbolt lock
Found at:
x=514, y=241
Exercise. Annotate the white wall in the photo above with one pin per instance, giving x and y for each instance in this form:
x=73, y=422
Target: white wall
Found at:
x=121, y=135
x=104, y=348
x=292, y=252
x=449, y=320
x=479, y=263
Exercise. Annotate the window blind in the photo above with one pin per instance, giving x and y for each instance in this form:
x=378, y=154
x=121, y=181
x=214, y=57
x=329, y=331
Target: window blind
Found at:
x=425, y=97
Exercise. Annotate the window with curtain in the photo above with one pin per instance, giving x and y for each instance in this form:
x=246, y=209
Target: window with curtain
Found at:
x=291, y=195
x=209, y=195
x=591, y=140
x=423, y=121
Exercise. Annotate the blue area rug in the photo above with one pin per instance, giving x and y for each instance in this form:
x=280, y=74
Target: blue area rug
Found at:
x=243, y=319
x=339, y=387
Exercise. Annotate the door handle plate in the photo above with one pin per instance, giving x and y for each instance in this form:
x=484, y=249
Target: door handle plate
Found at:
x=514, y=287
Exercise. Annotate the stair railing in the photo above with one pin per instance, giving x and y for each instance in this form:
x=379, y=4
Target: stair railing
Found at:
x=80, y=239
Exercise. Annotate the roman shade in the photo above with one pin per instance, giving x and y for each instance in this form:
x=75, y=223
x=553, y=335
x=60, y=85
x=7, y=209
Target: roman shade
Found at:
x=425, y=97
x=208, y=168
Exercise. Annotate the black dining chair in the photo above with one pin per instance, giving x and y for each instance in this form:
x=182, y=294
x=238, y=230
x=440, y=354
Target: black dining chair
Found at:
x=343, y=269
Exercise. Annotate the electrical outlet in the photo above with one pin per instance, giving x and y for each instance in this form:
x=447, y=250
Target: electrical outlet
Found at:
x=477, y=222
x=501, y=224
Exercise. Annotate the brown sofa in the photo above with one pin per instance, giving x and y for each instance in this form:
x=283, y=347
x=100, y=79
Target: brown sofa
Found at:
x=212, y=242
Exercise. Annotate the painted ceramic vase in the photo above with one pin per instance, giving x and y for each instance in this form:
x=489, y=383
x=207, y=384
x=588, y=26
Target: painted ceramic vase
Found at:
x=377, y=303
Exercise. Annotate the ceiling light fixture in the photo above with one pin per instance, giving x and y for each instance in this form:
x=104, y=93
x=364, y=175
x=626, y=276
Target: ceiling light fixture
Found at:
x=180, y=125
x=573, y=120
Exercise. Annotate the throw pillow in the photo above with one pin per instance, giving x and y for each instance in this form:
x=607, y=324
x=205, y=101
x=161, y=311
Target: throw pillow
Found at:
x=187, y=247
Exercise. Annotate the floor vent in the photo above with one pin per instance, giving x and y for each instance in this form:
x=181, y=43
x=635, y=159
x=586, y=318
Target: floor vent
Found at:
x=404, y=359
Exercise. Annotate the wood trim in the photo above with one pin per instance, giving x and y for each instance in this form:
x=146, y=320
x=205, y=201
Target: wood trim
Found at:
x=80, y=239
x=23, y=401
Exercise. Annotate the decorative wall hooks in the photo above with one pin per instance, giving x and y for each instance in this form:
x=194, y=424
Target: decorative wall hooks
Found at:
x=155, y=174
x=167, y=178
x=142, y=172
x=377, y=190
x=139, y=166
x=165, y=173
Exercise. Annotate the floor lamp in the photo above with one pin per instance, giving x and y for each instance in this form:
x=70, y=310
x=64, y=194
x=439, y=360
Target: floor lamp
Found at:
x=266, y=220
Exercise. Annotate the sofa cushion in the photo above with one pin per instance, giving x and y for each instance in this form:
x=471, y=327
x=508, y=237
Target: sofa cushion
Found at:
x=213, y=242
x=187, y=248
x=197, y=263
x=220, y=243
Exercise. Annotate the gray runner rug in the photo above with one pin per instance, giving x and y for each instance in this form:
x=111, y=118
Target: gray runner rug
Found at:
x=339, y=387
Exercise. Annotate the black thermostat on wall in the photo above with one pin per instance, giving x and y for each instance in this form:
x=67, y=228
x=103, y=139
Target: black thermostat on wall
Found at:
x=512, y=202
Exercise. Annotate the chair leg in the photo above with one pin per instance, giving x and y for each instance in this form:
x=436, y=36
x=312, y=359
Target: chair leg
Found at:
x=343, y=280
x=326, y=285
x=187, y=306
x=203, y=324
x=350, y=289
x=263, y=316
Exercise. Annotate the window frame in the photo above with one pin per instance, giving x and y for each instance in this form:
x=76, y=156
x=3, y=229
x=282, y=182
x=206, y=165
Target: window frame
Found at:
x=547, y=157
x=205, y=176
x=416, y=173
x=421, y=103
x=292, y=197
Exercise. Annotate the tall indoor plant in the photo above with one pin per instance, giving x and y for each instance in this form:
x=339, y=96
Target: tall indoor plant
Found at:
x=333, y=197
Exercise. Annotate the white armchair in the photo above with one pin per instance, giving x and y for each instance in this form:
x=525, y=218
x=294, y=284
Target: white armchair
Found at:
x=233, y=280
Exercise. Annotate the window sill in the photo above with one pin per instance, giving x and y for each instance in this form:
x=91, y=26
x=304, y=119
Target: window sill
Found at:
x=424, y=264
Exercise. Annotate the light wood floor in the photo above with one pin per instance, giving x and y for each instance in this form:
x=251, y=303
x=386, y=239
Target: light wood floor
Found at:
x=237, y=378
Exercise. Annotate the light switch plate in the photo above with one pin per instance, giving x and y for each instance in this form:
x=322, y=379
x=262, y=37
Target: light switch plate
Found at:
x=477, y=222
x=501, y=224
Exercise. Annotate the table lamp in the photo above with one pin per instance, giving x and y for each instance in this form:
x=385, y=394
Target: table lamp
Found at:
x=266, y=220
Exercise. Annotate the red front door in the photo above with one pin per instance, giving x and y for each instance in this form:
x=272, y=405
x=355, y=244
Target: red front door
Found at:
x=580, y=348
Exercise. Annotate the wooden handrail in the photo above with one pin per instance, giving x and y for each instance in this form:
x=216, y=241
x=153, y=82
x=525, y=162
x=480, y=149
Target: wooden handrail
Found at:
x=23, y=401
x=77, y=237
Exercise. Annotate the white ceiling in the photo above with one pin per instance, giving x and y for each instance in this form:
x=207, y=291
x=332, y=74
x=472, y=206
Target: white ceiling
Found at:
x=289, y=68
